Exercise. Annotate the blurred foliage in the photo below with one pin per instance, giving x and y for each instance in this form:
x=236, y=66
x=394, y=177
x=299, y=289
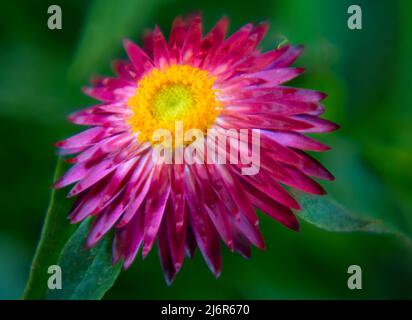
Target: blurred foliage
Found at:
x=366, y=74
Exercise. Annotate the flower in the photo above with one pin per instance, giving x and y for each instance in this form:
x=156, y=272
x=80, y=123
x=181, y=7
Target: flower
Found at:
x=205, y=83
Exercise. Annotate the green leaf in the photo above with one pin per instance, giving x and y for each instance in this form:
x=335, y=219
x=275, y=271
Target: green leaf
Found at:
x=86, y=273
x=361, y=189
x=325, y=213
x=56, y=230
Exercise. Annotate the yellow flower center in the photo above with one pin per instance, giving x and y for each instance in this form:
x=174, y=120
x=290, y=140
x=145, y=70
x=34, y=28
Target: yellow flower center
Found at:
x=176, y=93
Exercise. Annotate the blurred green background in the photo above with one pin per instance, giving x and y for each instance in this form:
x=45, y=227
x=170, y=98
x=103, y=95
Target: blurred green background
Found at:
x=367, y=74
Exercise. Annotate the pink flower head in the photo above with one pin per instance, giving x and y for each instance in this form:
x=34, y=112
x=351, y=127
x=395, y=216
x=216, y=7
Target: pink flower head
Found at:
x=204, y=82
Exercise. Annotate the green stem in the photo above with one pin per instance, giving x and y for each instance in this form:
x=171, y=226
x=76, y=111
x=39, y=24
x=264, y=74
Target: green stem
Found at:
x=55, y=232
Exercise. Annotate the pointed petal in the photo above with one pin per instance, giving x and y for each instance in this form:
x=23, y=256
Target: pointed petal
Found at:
x=192, y=41
x=317, y=124
x=140, y=60
x=104, y=222
x=155, y=206
x=110, y=90
x=266, y=184
x=213, y=206
x=246, y=219
x=124, y=70
x=148, y=42
x=288, y=57
x=272, y=208
x=160, y=49
x=274, y=77
x=165, y=256
x=84, y=138
x=312, y=167
x=202, y=227
x=176, y=236
x=295, y=140
x=138, y=191
x=95, y=174
x=213, y=39
x=128, y=240
x=177, y=33
x=267, y=121
x=75, y=173
x=191, y=244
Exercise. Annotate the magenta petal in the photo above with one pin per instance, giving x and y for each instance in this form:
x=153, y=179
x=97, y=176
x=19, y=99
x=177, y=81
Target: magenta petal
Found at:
x=278, y=92
x=160, y=49
x=137, y=189
x=176, y=236
x=276, y=151
x=177, y=33
x=237, y=204
x=317, y=124
x=104, y=222
x=110, y=90
x=165, y=256
x=83, y=139
x=86, y=204
x=259, y=32
x=128, y=240
x=215, y=36
x=148, y=42
x=233, y=186
x=103, y=148
x=108, y=109
x=75, y=173
x=275, y=76
x=213, y=206
x=192, y=41
x=213, y=259
x=203, y=230
x=312, y=167
x=272, y=208
x=177, y=196
x=124, y=70
x=295, y=140
x=242, y=244
x=98, y=120
x=228, y=52
x=266, y=184
x=114, y=185
x=266, y=104
x=190, y=244
x=176, y=216
x=288, y=57
x=261, y=61
x=291, y=176
x=70, y=151
x=141, y=61
x=98, y=172
x=267, y=121
x=176, y=39
x=302, y=182
x=247, y=46
x=155, y=206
